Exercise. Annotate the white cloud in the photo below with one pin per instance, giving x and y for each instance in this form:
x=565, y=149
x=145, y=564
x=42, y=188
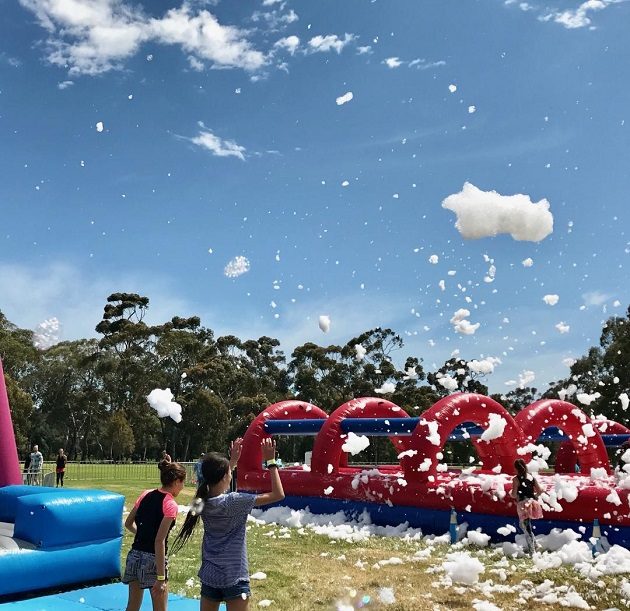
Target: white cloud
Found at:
x=579, y=17
x=290, y=43
x=364, y=50
x=392, y=62
x=275, y=19
x=217, y=146
x=65, y=84
x=423, y=64
x=595, y=298
x=95, y=36
x=331, y=42
x=482, y=214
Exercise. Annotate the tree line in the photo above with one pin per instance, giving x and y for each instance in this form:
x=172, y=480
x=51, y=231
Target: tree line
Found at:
x=89, y=396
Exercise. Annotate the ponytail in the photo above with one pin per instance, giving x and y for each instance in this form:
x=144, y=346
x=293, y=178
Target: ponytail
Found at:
x=213, y=468
x=192, y=518
x=521, y=469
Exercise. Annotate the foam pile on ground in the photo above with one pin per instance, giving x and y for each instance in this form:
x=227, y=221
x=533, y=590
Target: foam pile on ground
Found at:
x=333, y=525
x=461, y=567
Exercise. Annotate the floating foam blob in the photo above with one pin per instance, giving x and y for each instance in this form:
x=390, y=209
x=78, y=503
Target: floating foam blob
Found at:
x=484, y=214
x=162, y=402
x=324, y=323
x=344, y=99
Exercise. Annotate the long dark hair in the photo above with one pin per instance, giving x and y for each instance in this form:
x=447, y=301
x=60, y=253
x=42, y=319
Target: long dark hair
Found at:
x=521, y=469
x=213, y=468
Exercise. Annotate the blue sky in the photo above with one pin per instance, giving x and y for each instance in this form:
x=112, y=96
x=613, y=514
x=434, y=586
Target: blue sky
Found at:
x=222, y=137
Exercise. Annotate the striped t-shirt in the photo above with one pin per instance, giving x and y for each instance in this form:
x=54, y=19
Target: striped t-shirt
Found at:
x=224, y=550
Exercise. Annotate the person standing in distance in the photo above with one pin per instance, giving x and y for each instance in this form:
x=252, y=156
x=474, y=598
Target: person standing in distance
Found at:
x=37, y=461
x=62, y=459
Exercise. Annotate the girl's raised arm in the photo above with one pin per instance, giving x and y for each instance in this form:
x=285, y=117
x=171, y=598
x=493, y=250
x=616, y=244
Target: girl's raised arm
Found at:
x=268, y=447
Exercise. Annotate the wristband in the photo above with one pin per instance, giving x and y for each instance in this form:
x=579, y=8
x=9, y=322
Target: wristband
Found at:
x=271, y=463
x=161, y=578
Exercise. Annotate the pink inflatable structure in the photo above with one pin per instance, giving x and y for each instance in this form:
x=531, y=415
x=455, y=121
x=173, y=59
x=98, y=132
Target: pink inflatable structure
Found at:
x=10, y=473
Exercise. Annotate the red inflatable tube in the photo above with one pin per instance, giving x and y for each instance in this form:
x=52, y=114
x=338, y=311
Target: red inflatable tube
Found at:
x=327, y=447
x=251, y=456
x=534, y=419
x=406, y=485
x=447, y=414
x=567, y=457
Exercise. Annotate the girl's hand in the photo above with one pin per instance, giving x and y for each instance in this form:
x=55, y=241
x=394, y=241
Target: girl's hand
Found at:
x=159, y=588
x=268, y=448
x=236, y=447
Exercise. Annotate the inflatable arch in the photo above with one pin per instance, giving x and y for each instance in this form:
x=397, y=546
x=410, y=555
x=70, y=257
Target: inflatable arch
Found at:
x=589, y=448
x=567, y=457
x=444, y=417
x=327, y=449
x=251, y=456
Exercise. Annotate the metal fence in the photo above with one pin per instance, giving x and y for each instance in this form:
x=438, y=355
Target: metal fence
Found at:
x=106, y=472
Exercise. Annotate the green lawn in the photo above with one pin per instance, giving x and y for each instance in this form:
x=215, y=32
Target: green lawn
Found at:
x=309, y=571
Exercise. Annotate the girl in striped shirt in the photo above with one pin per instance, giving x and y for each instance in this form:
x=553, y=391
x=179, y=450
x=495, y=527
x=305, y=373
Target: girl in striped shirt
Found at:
x=224, y=571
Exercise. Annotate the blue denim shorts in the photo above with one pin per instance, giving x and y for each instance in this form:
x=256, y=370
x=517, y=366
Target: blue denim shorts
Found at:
x=239, y=590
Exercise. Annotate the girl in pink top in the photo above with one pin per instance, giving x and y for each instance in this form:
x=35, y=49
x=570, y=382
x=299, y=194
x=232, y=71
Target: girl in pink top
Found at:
x=150, y=520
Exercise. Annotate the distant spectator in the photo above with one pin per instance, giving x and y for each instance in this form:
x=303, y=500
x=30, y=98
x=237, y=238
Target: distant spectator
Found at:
x=165, y=459
x=27, y=469
x=62, y=459
x=37, y=462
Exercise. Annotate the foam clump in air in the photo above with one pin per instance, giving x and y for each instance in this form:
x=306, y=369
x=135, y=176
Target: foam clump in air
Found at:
x=484, y=214
x=355, y=443
x=162, y=402
x=324, y=323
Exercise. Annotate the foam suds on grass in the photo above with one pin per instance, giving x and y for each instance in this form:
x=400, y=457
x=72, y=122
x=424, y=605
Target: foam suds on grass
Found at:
x=563, y=573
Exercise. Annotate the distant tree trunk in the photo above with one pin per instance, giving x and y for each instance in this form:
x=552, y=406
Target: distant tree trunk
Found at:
x=186, y=448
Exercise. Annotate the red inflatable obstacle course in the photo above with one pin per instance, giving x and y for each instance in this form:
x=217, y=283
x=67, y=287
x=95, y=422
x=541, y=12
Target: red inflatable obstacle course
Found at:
x=421, y=489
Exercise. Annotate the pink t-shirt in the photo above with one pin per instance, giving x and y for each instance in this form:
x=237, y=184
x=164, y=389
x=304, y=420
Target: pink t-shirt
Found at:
x=169, y=504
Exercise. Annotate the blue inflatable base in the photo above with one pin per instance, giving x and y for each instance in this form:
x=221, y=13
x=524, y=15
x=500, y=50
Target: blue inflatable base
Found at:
x=112, y=597
x=436, y=521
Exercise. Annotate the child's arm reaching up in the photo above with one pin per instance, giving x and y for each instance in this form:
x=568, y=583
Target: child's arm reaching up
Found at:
x=268, y=447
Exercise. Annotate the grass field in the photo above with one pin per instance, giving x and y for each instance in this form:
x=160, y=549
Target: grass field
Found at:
x=307, y=571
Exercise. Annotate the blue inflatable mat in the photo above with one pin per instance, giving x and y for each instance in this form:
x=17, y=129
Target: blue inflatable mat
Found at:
x=112, y=597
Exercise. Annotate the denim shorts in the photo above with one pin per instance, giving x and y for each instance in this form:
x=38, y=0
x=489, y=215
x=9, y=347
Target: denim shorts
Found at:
x=140, y=567
x=238, y=590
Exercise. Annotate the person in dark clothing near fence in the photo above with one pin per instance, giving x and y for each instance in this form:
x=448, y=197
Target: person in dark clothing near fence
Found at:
x=62, y=459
